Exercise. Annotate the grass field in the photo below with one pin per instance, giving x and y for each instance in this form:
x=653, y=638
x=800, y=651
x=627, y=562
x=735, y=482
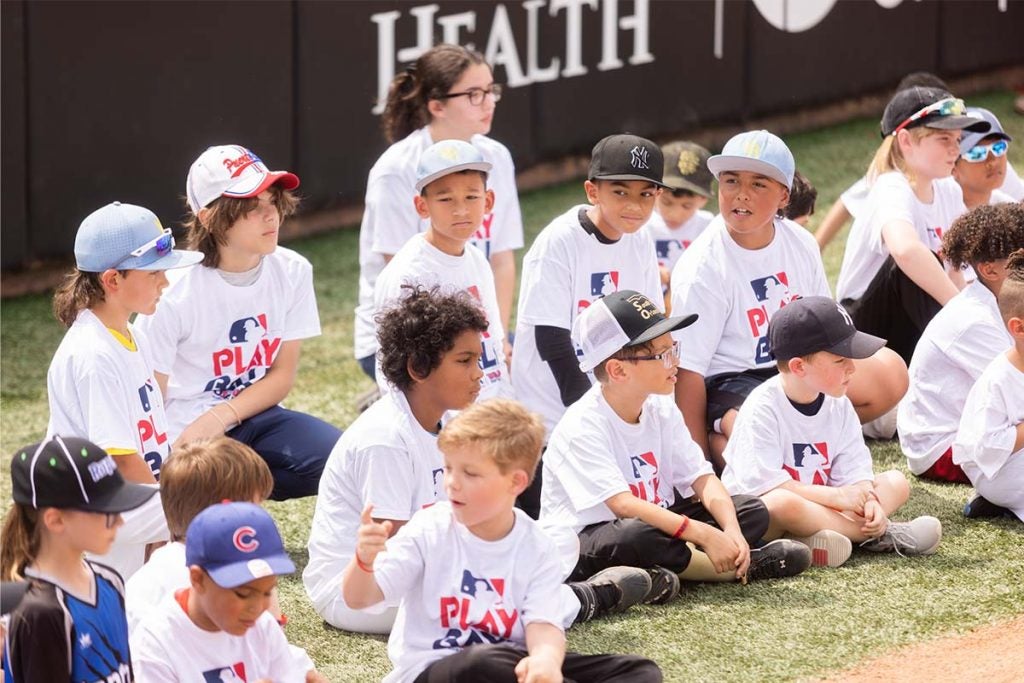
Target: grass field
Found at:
x=818, y=622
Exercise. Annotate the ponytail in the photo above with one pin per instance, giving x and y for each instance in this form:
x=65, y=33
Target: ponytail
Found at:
x=889, y=156
x=77, y=291
x=21, y=537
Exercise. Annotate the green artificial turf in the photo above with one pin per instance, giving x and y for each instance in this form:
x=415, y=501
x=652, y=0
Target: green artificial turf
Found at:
x=820, y=621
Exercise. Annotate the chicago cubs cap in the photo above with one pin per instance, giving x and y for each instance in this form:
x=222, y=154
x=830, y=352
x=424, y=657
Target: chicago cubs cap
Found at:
x=818, y=323
x=236, y=543
x=621, y=319
x=626, y=157
x=447, y=157
x=127, y=237
x=686, y=168
x=757, y=151
x=969, y=140
x=71, y=473
x=907, y=109
x=231, y=171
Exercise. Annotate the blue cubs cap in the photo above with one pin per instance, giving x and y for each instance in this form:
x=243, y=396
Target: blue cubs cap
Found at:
x=127, y=237
x=447, y=157
x=757, y=151
x=236, y=543
x=970, y=140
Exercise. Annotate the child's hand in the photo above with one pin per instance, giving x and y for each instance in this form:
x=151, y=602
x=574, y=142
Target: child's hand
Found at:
x=371, y=536
x=743, y=559
x=722, y=550
x=875, y=520
x=537, y=670
x=854, y=498
x=314, y=676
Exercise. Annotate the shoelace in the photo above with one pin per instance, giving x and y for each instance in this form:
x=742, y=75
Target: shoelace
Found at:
x=899, y=536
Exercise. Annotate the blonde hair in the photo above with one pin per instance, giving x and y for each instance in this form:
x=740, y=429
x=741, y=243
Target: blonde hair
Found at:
x=21, y=537
x=205, y=472
x=889, y=156
x=501, y=429
x=222, y=215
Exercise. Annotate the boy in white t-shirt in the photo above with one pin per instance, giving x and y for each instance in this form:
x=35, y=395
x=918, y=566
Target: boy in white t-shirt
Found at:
x=960, y=341
x=981, y=168
x=452, y=182
x=990, y=443
x=797, y=444
x=220, y=625
x=478, y=581
x=623, y=481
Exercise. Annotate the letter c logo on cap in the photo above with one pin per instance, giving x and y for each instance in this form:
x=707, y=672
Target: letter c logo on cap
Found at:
x=244, y=539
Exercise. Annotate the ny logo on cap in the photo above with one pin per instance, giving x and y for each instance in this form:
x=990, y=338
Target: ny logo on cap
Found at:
x=638, y=157
x=244, y=539
x=846, y=316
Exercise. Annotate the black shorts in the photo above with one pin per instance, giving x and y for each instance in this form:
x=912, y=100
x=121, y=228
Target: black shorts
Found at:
x=728, y=390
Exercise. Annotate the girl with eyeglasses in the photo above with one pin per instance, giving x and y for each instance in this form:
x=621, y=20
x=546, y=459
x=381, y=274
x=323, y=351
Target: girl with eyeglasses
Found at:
x=100, y=383
x=893, y=280
x=448, y=93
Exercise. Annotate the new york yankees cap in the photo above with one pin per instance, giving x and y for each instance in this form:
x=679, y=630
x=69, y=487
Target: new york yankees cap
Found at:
x=621, y=319
x=447, y=157
x=818, y=323
x=127, y=237
x=627, y=157
x=71, y=473
x=757, y=151
x=236, y=543
x=231, y=171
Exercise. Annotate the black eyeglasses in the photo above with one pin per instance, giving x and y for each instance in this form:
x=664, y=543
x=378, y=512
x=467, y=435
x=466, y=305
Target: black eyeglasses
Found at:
x=476, y=95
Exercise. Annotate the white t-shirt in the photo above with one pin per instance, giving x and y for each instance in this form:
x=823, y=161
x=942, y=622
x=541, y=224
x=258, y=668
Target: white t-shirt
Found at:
x=954, y=349
x=855, y=196
x=101, y=390
x=564, y=271
x=988, y=428
x=168, y=647
x=773, y=442
x=419, y=262
x=386, y=458
x=670, y=243
x=892, y=198
x=736, y=291
x=1012, y=184
x=215, y=339
x=1000, y=197
x=164, y=573
x=457, y=589
x=594, y=454
x=390, y=217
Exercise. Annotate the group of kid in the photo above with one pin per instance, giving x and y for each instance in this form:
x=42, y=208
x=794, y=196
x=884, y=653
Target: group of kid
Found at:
x=689, y=400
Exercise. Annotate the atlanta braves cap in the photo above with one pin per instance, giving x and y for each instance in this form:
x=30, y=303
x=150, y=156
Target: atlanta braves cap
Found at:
x=818, y=323
x=969, y=139
x=231, y=171
x=236, y=543
x=127, y=237
x=621, y=319
x=71, y=473
x=686, y=168
x=757, y=151
x=447, y=157
x=626, y=157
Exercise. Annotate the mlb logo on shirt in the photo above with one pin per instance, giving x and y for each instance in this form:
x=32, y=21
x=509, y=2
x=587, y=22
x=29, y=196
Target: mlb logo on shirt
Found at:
x=810, y=458
x=772, y=289
x=934, y=238
x=645, y=478
x=668, y=250
x=471, y=584
x=248, y=329
x=227, y=674
x=603, y=284
x=772, y=293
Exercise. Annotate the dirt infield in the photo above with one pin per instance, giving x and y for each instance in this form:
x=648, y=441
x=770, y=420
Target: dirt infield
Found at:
x=993, y=654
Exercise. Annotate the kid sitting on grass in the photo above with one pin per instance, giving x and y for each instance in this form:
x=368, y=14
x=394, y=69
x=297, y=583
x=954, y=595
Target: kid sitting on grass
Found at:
x=797, y=444
x=802, y=197
x=625, y=484
x=219, y=625
x=990, y=443
x=481, y=598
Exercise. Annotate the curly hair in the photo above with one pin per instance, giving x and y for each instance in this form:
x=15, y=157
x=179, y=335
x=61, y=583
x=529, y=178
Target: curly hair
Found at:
x=1011, y=295
x=986, y=233
x=802, y=197
x=419, y=329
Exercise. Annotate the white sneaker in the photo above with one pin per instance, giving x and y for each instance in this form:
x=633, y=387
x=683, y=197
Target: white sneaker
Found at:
x=919, y=536
x=882, y=427
x=828, y=548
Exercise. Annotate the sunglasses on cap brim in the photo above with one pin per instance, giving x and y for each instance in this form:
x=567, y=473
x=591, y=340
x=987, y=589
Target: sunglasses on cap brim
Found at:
x=951, y=106
x=162, y=243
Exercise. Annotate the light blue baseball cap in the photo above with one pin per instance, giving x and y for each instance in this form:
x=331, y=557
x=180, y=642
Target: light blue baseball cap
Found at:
x=447, y=157
x=969, y=140
x=757, y=151
x=127, y=237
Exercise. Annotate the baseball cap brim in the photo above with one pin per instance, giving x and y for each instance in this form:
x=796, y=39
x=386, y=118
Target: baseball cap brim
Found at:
x=177, y=258
x=238, y=573
x=722, y=163
x=671, y=183
x=482, y=166
x=629, y=176
x=667, y=325
x=859, y=345
x=244, y=188
x=972, y=124
x=127, y=497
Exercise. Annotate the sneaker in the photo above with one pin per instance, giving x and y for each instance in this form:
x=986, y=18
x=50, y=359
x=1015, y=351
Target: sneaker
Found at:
x=828, y=548
x=982, y=508
x=664, y=586
x=882, y=428
x=920, y=536
x=778, y=559
x=611, y=590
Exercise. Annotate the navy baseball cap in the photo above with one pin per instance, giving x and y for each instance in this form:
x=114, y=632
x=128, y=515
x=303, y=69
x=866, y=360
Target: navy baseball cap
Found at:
x=236, y=543
x=818, y=323
x=447, y=157
x=127, y=237
x=757, y=151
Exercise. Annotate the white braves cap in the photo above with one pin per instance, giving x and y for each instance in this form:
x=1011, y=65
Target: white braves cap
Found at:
x=231, y=171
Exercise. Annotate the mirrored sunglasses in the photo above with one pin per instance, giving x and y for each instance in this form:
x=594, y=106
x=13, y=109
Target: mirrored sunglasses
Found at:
x=162, y=243
x=951, y=106
x=980, y=153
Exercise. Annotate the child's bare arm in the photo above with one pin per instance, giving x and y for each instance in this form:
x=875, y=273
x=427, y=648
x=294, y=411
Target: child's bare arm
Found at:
x=841, y=498
x=917, y=261
x=358, y=586
x=718, y=502
x=831, y=224
x=545, y=644
x=692, y=399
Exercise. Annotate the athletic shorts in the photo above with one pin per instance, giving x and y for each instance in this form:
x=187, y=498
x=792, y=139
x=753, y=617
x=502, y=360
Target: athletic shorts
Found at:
x=728, y=390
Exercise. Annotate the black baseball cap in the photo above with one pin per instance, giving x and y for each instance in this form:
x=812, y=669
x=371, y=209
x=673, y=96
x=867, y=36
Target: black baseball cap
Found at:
x=626, y=157
x=910, y=108
x=818, y=323
x=72, y=473
x=686, y=168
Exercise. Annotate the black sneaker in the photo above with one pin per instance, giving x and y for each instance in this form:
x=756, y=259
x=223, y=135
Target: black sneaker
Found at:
x=664, y=586
x=778, y=559
x=982, y=508
x=611, y=590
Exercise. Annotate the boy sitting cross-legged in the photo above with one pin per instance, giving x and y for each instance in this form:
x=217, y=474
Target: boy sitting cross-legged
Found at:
x=797, y=443
x=623, y=481
x=479, y=582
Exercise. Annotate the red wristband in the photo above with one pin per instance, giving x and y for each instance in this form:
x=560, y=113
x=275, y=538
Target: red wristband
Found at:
x=682, y=527
x=366, y=568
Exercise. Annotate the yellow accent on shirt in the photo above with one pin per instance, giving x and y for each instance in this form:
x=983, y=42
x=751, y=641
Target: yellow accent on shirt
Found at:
x=126, y=341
